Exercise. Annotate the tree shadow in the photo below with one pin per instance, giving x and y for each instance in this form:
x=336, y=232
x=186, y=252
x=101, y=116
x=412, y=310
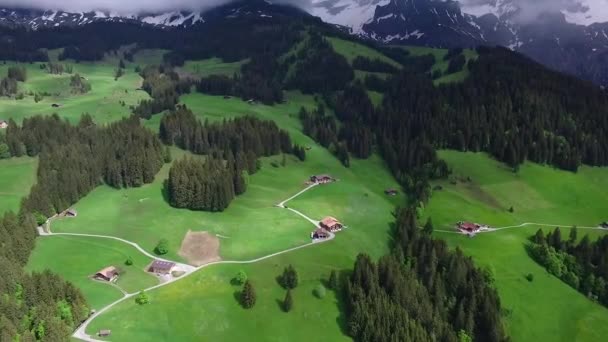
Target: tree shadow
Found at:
x=280, y=305
x=164, y=190
x=237, y=297
x=341, y=300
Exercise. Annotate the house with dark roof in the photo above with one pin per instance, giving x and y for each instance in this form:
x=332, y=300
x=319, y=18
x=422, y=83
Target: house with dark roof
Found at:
x=161, y=267
x=109, y=274
x=71, y=212
x=319, y=234
x=321, y=179
x=331, y=224
x=391, y=192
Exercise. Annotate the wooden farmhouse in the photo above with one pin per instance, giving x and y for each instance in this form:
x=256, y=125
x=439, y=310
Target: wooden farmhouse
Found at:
x=319, y=234
x=109, y=274
x=321, y=179
x=331, y=224
x=391, y=192
x=3, y=124
x=161, y=267
x=468, y=227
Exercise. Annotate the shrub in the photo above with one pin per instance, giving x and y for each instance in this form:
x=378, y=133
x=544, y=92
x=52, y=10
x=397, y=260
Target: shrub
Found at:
x=142, y=298
x=129, y=261
x=319, y=291
x=162, y=247
x=240, y=278
x=530, y=277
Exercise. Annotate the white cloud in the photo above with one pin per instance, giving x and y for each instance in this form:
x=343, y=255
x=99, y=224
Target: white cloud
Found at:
x=117, y=6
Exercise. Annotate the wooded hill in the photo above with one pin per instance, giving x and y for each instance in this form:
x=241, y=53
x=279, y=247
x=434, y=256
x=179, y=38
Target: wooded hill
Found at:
x=508, y=106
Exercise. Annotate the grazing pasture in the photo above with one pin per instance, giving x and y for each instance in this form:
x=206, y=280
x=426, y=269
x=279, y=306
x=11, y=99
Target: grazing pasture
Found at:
x=483, y=192
x=17, y=175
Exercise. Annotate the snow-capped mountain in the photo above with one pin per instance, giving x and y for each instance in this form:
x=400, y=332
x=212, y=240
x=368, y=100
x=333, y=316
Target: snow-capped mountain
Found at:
x=39, y=19
x=549, y=36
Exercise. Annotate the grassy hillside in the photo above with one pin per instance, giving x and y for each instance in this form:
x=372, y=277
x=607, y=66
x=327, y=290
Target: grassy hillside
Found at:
x=250, y=228
x=442, y=64
x=78, y=258
x=350, y=50
x=17, y=175
x=546, y=309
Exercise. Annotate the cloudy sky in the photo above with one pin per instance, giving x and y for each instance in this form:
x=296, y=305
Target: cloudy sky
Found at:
x=583, y=11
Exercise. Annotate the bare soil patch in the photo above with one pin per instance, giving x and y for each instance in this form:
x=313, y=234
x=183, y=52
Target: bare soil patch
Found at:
x=200, y=248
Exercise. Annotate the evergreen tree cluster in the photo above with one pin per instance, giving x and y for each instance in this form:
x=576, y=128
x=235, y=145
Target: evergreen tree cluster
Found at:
x=319, y=69
x=208, y=185
x=259, y=80
x=79, y=84
x=422, y=291
x=246, y=138
x=9, y=85
x=581, y=264
x=164, y=86
x=232, y=148
x=18, y=73
x=324, y=130
x=73, y=160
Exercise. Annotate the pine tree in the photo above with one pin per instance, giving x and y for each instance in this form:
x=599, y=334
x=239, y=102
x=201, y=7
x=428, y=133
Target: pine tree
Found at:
x=288, y=302
x=289, y=278
x=248, y=296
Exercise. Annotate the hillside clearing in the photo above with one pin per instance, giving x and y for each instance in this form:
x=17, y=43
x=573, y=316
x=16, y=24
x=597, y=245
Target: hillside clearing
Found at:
x=579, y=200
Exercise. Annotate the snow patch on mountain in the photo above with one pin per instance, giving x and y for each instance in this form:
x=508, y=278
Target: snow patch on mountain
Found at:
x=350, y=13
x=173, y=19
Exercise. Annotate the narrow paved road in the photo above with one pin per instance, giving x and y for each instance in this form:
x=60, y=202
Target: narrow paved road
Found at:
x=494, y=230
x=81, y=334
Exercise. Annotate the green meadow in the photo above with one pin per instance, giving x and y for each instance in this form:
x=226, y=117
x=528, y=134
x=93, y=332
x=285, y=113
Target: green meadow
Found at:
x=252, y=226
x=203, y=306
x=17, y=175
x=351, y=50
x=545, y=309
x=87, y=256
x=103, y=102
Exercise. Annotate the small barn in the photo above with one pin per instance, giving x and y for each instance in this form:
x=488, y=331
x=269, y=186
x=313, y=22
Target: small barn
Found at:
x=331, y=224
x=604, y=225
x=3, y=124
x=319, y=234
x=468, y=227
x=55, y=105
x=71, y=212
x=391, y=192
x=104, y=333
x=321, y=179
x=109, y=274
x=161, y=267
